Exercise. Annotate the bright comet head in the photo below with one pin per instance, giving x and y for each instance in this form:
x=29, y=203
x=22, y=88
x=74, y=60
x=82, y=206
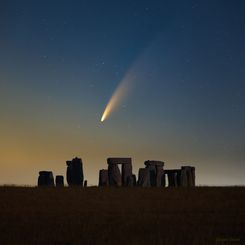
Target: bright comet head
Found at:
x=120, y=92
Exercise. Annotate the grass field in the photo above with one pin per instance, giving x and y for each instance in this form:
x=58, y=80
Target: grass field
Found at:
x=202, y=215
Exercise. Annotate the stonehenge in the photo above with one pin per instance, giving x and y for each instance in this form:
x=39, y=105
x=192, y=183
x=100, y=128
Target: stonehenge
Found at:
x=119, y=173
x=45, y=178
x=74, y=172
x=114, y=177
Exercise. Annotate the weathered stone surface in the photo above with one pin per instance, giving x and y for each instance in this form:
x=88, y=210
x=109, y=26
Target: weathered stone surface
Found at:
x=115, y=178
x=85, y=183
x=193, y=176
x=45, y=178
x=153, y=174
x=74, y=173
x=144, y=177
x=156, y=172
x=178, y=172
x=154, y=163
x=160, y=176
x=103, y=177
x=184, y=177
x=59, y=181
x=127, y=179
x=119, y=160
x=187, y=176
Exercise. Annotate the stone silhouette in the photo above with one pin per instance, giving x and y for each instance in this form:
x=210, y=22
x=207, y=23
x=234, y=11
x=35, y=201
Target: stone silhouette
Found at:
x=103, y=177
x=153, y=175
x=74, y=173
x=157, y=177
x=144, y=177
x=45, y=178
x=190, y=175
x=59, y=181
x=184, y=177
x=114, y=175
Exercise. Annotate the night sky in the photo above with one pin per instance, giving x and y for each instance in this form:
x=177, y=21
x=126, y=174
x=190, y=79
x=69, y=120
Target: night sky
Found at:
x=183, y=63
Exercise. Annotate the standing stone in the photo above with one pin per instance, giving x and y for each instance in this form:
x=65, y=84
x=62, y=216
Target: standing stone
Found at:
x=184, y=177
x=190, y=175
x=156, y=172
x=178, y=172
x=115, y=178
x=59, y=181
x=45, y=178
x=127, y=179
x=74, y=173
x=159, y=176
x=103, y=177
x=144, y=177
x=193, y=176
x=153, y=175
x=187, y=176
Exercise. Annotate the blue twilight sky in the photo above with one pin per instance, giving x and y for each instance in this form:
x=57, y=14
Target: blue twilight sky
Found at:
x=60, y=62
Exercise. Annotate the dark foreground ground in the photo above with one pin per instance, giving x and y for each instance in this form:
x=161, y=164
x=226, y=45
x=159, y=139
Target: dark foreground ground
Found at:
x=204, y=215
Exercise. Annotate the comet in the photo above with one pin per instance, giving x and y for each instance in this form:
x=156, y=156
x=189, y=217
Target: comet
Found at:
x=134, y=75
x=121, y=92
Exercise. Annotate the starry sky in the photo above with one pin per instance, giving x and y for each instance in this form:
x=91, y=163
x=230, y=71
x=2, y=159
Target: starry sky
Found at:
x=61, y=61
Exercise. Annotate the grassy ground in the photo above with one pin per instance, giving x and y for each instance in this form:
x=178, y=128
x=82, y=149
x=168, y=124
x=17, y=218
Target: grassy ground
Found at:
x=204, y=215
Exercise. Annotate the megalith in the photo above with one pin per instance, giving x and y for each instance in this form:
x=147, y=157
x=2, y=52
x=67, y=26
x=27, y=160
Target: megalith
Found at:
x=156, y=172
x=115, y=178
x=74, y=173
x=144, y=177
x=188, y=176
x=127, y=179
x=45, y=178
x=103, y=177
x=59, y=181
x=114, y=174
x=184, y=177
x=193, y=176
